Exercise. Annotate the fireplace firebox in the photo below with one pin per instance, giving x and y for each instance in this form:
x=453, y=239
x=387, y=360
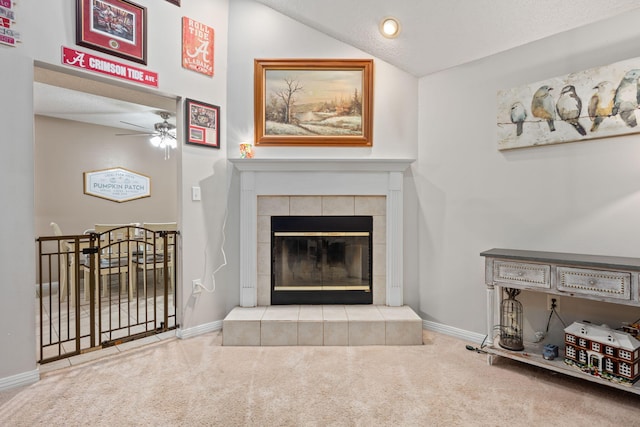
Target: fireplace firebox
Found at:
x=321, y=260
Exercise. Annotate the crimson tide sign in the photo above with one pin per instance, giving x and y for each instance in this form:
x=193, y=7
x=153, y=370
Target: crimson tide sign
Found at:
x=197, y=46
x=86, y=61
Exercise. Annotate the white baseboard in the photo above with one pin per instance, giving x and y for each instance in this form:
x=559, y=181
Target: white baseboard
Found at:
x=18, y=380
x=199, y=330
x=454, y=332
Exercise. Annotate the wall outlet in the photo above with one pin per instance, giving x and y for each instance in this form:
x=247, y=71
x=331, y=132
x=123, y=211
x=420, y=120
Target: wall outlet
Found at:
x=196, y=286
x=551, y=300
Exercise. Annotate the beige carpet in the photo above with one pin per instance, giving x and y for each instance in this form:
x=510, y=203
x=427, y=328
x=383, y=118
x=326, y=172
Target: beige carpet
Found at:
x=197, y=382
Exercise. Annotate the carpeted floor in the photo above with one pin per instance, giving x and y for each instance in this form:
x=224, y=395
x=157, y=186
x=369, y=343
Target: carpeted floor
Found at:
x=197, y=382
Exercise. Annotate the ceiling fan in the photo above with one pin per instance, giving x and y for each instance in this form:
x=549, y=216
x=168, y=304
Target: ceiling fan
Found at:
x=162, y=136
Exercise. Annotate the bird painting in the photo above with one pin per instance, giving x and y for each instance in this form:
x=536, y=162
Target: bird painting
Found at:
x=626, y=98
x=542, y=106
x=601, y=104
x=518, y=116
x=569, y=107
x=587, y=104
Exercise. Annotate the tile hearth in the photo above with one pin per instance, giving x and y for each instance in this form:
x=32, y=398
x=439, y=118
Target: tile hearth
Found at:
x=318, y=325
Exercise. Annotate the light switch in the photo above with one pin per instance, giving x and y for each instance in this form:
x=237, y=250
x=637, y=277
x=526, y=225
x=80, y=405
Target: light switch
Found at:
x=195, y=194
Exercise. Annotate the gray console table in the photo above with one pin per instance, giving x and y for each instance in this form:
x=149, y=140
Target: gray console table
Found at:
x=600, y=278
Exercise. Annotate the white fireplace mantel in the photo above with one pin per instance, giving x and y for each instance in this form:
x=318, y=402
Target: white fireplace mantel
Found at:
x=320, y=177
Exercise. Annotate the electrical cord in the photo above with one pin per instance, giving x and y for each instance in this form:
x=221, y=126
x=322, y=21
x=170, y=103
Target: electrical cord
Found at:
x=224, y=254
x=478, y=349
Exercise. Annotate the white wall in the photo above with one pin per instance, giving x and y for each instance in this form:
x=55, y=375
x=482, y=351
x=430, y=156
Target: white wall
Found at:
x=256, y=31
x=45, y=27
x=579, y=197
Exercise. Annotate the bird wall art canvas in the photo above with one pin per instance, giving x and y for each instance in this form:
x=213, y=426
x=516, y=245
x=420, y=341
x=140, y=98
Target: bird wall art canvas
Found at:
x=595, y=103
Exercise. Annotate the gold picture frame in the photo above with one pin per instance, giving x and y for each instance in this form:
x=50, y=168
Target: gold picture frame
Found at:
x=313, y=102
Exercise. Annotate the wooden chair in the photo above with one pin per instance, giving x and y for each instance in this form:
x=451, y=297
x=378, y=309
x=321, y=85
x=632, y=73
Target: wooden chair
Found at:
x=116, y=242
x=151, y=257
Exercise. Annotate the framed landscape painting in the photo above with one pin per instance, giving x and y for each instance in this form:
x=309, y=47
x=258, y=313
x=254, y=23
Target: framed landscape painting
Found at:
x=313, y=102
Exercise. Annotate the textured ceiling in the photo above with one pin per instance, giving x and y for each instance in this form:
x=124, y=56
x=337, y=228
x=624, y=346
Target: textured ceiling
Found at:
x=440, y=34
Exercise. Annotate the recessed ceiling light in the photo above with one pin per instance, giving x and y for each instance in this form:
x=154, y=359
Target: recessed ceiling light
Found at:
x=390, y=27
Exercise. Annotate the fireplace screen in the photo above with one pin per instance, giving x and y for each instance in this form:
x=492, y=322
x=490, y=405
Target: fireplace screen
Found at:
x=321, y=260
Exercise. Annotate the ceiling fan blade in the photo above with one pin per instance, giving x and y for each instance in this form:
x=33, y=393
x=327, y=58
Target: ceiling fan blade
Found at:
x=135, y=134
x=133, y=124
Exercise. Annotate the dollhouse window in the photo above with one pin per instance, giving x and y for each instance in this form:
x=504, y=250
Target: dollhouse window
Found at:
x=608, y=365
x=625, y=369
x=624, y=354
x=595, y=346
x=582, y=356
x=571, y=352
x=571, y=338
x=582, y=342
x=608, y=350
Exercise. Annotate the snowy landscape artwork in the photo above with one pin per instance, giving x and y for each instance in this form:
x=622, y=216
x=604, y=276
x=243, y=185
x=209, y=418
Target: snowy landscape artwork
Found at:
x=313, y=102
x=595, y=103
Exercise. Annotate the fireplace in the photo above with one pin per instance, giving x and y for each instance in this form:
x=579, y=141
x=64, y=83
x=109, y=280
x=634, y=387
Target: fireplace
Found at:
x=321, y=259
x=272, y=187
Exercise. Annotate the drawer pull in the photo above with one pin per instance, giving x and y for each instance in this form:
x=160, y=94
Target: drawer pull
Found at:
x=592, y=282
x=520, y=273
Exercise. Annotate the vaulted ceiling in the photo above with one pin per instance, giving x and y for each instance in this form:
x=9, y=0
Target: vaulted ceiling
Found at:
x=440, y=34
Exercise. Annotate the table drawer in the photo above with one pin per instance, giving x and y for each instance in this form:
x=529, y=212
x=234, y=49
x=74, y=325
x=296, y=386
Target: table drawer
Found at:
x=609, y=284
x=523, y=274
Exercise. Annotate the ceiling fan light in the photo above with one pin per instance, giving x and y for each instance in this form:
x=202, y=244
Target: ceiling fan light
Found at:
x=155, y=140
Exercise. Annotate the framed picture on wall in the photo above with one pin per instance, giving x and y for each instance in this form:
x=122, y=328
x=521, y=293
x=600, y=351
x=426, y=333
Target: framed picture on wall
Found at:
x=202, y=124
x=116, y=27
x=317, y=102
x=176, y=2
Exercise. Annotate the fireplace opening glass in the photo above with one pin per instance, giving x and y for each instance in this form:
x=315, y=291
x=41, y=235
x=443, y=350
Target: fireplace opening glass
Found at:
x=321, y=260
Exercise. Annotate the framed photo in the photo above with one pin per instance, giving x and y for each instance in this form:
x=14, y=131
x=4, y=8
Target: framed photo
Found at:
x=176, y=2
x=203, y=124
x=116, y=27
x=313, y=102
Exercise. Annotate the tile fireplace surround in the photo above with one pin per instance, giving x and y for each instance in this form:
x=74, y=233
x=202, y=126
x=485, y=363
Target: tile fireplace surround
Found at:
x=320, y=187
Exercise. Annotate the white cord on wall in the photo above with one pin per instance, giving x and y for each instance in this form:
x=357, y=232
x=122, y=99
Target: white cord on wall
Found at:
x=224, y=255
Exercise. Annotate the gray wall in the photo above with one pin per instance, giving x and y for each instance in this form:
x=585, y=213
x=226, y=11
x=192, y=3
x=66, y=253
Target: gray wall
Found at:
x=463, y=196
x=256, y=31
x=576, y=197
x=64, y=150
x=45, y=27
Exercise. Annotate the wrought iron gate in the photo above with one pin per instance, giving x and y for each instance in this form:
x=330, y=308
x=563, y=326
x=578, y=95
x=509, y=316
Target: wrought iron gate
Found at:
x=102, y=289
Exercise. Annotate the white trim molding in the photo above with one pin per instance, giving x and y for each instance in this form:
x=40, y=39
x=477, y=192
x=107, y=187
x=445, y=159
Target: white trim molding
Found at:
x=199, y=330
x=462, y=334
x=18, y=380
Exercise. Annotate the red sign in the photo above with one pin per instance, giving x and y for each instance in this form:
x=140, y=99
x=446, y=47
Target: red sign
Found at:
x=197, y=46
x=5, y=22
x=7, y=40
x=86, y=61
x=5, y=3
